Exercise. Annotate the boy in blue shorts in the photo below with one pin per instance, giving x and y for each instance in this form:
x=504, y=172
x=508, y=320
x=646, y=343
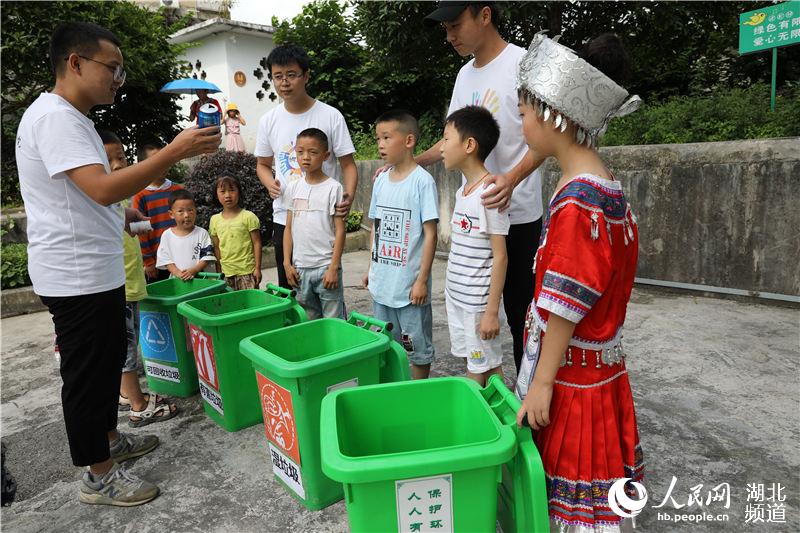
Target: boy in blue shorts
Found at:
x=404, y=211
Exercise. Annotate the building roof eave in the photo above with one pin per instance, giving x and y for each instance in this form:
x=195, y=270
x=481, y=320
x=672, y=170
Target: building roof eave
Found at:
x=213, y=26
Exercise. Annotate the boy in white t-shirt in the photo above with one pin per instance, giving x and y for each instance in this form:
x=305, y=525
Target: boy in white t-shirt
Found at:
x=314, y=238
x=476, y=267
x=278, y=164
x=185, y=249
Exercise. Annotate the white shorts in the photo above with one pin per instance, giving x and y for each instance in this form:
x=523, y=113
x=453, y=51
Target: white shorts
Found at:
x=465, y=341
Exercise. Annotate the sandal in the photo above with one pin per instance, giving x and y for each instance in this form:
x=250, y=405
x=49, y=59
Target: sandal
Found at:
x=157, y=410
x=124, y=403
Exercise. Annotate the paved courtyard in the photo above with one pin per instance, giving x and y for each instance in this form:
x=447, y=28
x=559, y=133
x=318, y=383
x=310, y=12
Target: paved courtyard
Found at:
x=715, y=384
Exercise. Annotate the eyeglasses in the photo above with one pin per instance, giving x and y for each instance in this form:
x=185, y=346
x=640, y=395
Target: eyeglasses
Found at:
x=290, y=76
x=117, y=70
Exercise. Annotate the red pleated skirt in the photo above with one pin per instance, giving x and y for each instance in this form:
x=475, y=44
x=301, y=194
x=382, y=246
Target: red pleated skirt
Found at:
x=592, y=441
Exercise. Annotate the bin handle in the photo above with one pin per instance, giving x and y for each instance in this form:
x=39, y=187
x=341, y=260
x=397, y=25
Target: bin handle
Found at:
x=209, y=275
x=502, y=401
x=275, y=290
x=368, y=322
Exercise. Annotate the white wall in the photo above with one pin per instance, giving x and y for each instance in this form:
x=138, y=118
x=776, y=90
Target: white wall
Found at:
x=221, y=55
x=244, y=53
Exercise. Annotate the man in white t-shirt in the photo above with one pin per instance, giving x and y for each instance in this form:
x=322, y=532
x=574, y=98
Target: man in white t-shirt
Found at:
x=277, y=133
x=489, y=80
x=75, y=257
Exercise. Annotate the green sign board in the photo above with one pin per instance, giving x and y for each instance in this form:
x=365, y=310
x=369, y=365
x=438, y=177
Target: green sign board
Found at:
x=769, y=27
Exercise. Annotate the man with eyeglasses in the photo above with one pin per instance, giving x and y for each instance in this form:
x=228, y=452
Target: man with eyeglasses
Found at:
x=75, y=256
x=277, y=167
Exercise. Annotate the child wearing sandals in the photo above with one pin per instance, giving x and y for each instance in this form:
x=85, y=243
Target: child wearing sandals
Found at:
x=144, y=408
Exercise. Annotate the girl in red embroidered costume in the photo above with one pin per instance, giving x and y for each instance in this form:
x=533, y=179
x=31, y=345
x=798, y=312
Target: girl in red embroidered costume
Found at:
x=573, y=380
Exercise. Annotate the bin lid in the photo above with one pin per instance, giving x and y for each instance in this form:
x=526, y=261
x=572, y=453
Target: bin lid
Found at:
x=312, y=347
x=233, y=307
x=522, y=495
x=172, y=291
x=448, y=425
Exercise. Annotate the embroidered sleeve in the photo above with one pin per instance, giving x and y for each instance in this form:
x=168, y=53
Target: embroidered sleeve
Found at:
x=578, y=265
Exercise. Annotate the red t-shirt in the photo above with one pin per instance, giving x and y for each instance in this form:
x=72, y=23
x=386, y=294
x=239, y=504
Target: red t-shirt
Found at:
x=196, y=107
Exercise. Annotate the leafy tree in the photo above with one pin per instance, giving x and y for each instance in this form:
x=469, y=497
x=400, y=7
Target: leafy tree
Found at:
x=340, y=74
x=386, y=57
x=140, y=113
x=675, y=47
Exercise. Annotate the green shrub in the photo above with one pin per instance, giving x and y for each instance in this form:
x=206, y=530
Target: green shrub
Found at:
x=725, y=115
x=14, y=266
x=366, y=147
x=177, y=173
x=9, y=184
x=254, y=197
x=353, y=221
x=430, y=131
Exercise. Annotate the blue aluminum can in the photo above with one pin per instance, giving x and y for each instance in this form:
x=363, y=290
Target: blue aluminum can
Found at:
x=208, y=115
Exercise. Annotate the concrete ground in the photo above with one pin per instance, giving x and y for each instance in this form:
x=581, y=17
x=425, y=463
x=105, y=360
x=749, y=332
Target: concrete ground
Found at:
x=715, y=384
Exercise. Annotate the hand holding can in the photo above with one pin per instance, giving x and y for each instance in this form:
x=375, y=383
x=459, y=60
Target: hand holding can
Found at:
x=208, y=115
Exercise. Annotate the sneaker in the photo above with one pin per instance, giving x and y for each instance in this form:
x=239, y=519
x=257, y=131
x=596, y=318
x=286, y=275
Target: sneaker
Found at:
x=129, y=446
x=117, y=487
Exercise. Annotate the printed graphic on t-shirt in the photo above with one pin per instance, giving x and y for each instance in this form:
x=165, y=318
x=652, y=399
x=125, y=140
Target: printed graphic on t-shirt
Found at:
x=408, y=342
x=392, y=233
x=489, y=100
x=201, y=251
x=287, y=163
x=299, y=205
x=464, y=224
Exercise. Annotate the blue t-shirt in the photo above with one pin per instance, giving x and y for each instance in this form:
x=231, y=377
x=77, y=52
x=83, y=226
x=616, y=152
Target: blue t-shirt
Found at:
x=398, y=210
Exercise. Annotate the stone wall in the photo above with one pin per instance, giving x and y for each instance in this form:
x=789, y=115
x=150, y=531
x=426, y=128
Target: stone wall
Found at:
x=723, y=214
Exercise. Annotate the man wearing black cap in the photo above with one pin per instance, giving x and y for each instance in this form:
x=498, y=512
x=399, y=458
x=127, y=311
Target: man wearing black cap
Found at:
x=489, y=79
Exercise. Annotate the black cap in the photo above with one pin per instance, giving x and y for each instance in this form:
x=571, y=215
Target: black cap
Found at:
x=448, y=11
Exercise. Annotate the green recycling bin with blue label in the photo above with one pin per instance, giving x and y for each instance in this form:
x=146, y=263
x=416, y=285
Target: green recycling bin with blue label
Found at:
x=163, y=333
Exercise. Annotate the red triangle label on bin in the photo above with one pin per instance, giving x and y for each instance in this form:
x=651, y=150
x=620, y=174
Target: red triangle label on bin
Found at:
x=203, y=350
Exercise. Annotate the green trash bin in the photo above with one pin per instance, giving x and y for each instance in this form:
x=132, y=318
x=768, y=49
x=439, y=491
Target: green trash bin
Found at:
x=163, y=334
x=296, y=367
x=522, y=494
x=425, y=455
x=216, y=325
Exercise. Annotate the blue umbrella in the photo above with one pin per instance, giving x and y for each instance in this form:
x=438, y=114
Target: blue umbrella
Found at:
x=189, y=86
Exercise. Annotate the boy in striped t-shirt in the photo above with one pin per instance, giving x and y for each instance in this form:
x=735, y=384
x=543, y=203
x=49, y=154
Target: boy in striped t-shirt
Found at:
x=476, y=267
x=153, y=202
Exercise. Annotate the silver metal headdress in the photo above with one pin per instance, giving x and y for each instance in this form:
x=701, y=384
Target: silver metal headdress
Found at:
x=565, y=87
